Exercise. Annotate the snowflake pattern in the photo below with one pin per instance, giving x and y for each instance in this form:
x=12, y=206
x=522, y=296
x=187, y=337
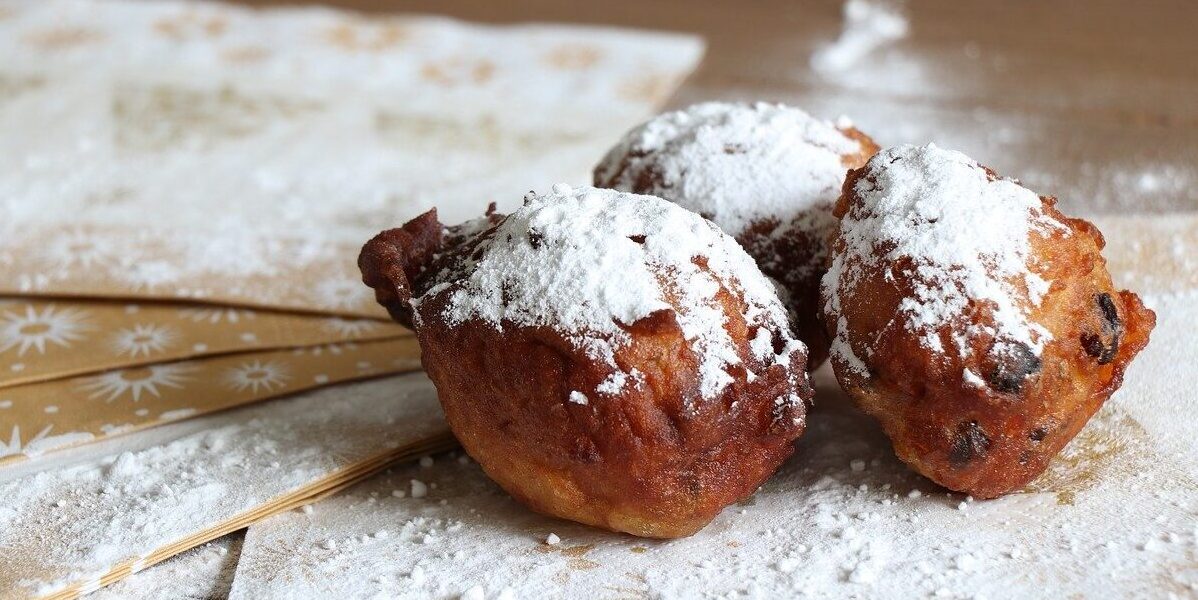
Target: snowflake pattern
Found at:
x=34, y=329
x=40, y=442
x=78, y=249
x=348, y=328
x=333, y=349
x=143, y=339
x=215, y=315
x=14, y=445
x=257, y=376
x=146, y=275
x=137, y=381
x=341, y=293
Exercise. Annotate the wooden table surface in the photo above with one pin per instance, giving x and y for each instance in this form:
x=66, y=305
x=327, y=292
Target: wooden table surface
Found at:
x=1095, y=102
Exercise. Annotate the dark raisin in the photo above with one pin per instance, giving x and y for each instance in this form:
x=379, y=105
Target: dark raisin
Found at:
x=1092, y=344
x=535, y=238
x=505, y=293
x=640, y=239
x=652, y=177
x=777, y=342
x=1109, y=312
x=969, y=443
x=1037, y=434
x=1012, y=367
x=1105, y=345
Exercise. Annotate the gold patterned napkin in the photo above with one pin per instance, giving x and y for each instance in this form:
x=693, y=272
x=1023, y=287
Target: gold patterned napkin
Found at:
x=42, y=340
x=89, y=519
x=179, y=150
x=238, y=157
x=39, y=417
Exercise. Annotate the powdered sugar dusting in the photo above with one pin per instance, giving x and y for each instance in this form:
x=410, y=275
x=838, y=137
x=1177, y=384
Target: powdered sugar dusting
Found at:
x=69, y=526
x=111, y=108
x=737, y=164
x=587, y=261
x=202, y=572
x=843, y=518
x=966, y=236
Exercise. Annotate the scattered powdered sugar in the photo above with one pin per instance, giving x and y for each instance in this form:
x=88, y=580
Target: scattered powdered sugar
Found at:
x=973, y=379
x=967, y=237
x=737, y=164
x=110, y=108
x=616, y=382
x=419, y=488
x=202, y=572
x=950, y=88
x=587, y=261
x=1117, y=503
x=868, y=24
x=121, y=501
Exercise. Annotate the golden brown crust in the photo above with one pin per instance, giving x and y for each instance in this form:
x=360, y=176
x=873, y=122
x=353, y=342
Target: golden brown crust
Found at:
x=642, y=461
x=399, y=264
x=867, y=146
x=987, y=440
x=653, y=459
x=392, y=260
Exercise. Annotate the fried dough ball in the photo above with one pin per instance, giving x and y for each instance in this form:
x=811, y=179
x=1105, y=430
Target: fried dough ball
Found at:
x=767, y=174
x=607, y=358
x=972, y=318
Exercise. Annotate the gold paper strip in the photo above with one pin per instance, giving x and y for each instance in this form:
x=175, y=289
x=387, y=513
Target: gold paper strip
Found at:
x=40, y=417
x=41, y=340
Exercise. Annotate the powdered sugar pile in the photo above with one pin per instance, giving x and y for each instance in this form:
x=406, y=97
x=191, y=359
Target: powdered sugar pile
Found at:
x=585, y=261
x=737, y=164
x=966, y=236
